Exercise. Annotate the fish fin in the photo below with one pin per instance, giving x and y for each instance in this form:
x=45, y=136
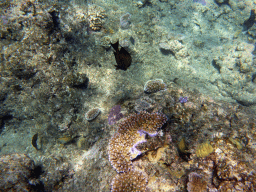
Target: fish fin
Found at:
x=117, y=67
x=115, y=45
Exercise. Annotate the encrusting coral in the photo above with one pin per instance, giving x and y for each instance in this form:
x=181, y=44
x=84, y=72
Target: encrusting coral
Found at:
x=96, y=17
x=92, y=114
x=155, y=156
x=130, y=181
x=204, y=150
x=196, y=183
x=153, y=86
x=131, y=132
x=114, y=115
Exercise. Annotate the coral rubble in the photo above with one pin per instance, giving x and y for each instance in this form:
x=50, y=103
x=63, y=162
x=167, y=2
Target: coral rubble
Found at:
x=144, y=104
x=51, y=49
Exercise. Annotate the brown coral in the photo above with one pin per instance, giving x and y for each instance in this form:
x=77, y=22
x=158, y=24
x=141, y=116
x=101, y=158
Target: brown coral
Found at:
x=130, y=181
x=153, y=86
x=92, y=114
x=131, y=132
x=155, y=156
x=196, y=183
x=96, y=17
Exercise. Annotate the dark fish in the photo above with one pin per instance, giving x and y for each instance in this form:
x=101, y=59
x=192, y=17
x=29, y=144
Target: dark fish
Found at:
x=249, y=22
x=123, y=58
x=34, y=141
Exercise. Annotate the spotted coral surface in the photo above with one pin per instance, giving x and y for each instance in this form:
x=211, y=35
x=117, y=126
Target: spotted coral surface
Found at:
x=92, y=114
x=96, y=17
x=130, y=181
x=131, y=132
x=153, y=86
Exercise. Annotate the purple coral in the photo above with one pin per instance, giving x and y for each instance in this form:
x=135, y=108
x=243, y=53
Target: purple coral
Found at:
x=134, y=151
x=202, y=2
x=115, y=115
x=142, y=132
x=183, y=99
x=125, y=21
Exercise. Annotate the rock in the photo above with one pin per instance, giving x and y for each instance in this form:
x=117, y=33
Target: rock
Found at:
x=16, y=171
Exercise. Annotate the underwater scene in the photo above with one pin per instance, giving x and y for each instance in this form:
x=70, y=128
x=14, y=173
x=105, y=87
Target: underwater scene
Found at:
x=128, y=95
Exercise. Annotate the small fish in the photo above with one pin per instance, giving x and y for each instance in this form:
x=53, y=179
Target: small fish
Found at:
x=249, y=22
x=123, y=58
x=34, y=141
x=183, y=150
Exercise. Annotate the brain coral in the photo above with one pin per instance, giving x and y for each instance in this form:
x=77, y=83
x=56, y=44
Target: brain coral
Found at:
x=130, y=181
x=153, y=86
x=204, y=150
x=131, y=132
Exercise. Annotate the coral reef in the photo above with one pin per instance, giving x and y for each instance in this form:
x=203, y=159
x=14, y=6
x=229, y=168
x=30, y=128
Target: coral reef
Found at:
x=16, y=171
x=153, y=86
x=125, y=21
x=131, y=181
x=92, y=114
x=96, y=15
x=144, y=104
x=56, y=62
x=196, y=183
x=204, y=150
x=131, y=132
x=183, y=99
x=155, y=156
x=114, y=115
x=198, y=119
x=175, y=47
